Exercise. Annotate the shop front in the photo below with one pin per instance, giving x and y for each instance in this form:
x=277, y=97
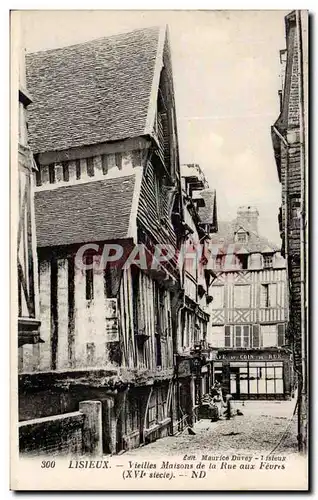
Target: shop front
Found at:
x=254, y=374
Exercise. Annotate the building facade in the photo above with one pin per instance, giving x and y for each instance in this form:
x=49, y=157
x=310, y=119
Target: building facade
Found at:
x=193, y=366
x=289, y=136
x=108, y=174
x=249, y=312
x=108, y=197
x=27, y=292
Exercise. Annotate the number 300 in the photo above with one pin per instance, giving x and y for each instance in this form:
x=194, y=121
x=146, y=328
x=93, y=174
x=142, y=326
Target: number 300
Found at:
x=46, y=464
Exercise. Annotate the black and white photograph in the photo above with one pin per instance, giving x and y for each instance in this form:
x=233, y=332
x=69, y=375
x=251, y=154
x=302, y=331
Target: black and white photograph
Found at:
x=159, y=180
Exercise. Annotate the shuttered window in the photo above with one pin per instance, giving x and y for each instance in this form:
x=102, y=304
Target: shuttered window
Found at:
x=242, y=336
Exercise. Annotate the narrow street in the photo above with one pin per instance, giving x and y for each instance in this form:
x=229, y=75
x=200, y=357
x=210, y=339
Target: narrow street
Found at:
x=260, y=428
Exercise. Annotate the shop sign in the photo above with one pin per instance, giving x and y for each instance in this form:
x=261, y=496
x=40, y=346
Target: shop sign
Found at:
x=255, y=356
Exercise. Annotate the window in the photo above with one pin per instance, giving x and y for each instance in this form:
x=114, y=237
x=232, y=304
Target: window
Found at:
x=266, y=378
x=119, y=160
x=242, y=297
x=274, y=378
x=241, y=237
x=66, y=175
x=268, y=261
x=242, y=336
x=268, y=296
x=243, y=261
x=218, y=297
x=269, y=335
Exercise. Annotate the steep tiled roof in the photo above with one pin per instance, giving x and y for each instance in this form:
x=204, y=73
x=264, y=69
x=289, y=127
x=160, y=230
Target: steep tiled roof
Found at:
x=92, y=92
x=94, y=211
x=225, y=237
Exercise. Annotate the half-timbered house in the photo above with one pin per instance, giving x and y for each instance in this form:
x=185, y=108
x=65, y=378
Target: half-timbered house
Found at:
x=28, y=296
x=103, y=127
x=290, y=143
x=249, y=312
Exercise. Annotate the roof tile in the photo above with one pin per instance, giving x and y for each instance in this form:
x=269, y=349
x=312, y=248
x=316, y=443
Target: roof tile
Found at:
x=92, y=92
x=94, y=211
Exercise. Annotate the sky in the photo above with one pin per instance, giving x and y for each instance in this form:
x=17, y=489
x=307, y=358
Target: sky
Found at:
x=226, y=76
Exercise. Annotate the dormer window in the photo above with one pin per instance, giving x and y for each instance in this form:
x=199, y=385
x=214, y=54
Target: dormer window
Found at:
x=241, y=236
x=268, y=261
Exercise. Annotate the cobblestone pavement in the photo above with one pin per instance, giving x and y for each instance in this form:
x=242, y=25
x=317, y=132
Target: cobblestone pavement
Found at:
x=261, y=428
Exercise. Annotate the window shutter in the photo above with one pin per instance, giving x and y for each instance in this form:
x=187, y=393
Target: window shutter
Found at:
x=238, y=338
x=264, y=296
x=281, y=335
x=256, y=340
x=273, y=295
x=227, y=340
x=246, y=336
x=218, y=297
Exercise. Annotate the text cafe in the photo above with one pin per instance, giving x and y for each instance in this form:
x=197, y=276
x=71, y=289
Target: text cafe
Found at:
x=255, y=374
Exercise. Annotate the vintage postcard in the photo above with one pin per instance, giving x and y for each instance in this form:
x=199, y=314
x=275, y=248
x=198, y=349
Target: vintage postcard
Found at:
x=159, y=167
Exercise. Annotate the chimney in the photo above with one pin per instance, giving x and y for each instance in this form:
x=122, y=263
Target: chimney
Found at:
x=248, y=218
